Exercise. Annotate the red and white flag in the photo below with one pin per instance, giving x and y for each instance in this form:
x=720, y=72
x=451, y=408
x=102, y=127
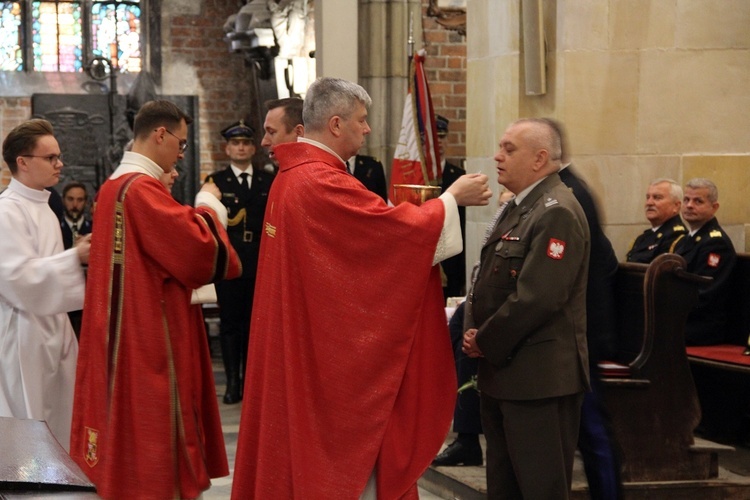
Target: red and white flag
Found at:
x=417, y=158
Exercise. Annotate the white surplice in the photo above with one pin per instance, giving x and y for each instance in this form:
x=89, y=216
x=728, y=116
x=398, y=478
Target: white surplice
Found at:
x=39, y=283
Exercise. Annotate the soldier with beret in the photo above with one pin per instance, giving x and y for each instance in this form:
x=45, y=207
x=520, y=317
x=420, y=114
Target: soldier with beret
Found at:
x=663, y=202
x=244, y=191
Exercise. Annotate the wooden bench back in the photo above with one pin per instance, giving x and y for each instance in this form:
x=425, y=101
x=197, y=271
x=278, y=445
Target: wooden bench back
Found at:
x=655, y=410
x=738, y=329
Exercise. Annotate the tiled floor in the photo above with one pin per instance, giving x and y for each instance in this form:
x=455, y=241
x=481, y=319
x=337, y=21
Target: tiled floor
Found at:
x=230, y=423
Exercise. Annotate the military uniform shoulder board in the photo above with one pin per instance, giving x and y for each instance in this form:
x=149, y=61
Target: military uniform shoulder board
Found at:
x=550, y=202
x=714, y=234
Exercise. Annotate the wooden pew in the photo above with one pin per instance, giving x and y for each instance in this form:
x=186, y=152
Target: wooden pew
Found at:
x=652, y=400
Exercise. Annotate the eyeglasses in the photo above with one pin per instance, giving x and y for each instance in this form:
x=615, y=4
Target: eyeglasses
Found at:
x=52, y=159
x=183, y=142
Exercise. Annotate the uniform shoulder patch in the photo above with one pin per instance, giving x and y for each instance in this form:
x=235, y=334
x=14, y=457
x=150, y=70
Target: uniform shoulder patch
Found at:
x=678, y=227
x=714, y=259
x=550, y=202
x=555, y=249
x=714, y=234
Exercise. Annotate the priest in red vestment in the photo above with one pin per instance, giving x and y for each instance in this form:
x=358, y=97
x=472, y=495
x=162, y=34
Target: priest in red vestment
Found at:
x=145, y=418
x=350, y=380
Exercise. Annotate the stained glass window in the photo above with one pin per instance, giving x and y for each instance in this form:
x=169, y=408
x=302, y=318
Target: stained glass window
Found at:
x=64, y=34
x=11, y=54
x=116, y=32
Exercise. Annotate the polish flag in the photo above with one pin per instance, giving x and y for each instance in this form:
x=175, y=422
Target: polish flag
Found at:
x=417, y=158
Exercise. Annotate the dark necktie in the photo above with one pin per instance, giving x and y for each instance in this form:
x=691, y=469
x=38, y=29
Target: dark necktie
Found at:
x=243, y=182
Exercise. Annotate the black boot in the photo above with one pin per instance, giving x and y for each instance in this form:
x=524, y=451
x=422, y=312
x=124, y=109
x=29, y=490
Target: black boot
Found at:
x=232, y=396
x=230, y=353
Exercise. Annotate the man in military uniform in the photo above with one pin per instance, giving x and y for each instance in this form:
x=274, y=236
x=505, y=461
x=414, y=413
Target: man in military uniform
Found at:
x=708, y=252
x=370, y=172
x=455, y=267
x=244, y=191
x=526, y=321
x=663, y=202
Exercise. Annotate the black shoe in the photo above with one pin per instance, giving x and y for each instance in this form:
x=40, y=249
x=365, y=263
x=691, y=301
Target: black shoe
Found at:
x=233, y=394
x=458, y=453
x=231, y=398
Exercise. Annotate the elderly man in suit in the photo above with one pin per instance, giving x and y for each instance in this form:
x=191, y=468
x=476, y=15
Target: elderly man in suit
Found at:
x=526, y=321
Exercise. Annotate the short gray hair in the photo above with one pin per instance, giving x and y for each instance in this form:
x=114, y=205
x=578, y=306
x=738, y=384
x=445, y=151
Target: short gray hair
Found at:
x=546, y=134
x=328, y=97
x=701, y=183
x=675, y=190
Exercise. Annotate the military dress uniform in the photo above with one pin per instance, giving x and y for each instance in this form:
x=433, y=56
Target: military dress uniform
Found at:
x=709, y=252
x=246, y=209
x=454, y=267
x=369, y=171
x=70, y=234
x=650, y=244
x=529, y=306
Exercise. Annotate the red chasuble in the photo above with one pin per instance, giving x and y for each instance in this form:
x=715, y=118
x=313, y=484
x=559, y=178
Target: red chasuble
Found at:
x=349, y=365
x=145, y=418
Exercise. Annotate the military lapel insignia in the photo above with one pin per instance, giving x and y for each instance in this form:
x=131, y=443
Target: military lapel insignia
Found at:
x=555, y=249
x=550, y=202
x=92, y=448
x=713, y=260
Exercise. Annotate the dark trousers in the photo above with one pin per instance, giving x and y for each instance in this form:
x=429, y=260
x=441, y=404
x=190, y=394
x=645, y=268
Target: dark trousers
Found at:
x=235, y=298
x=530, y=446
x=596, y=442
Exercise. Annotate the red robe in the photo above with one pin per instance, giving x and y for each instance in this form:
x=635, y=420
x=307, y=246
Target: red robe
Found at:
x=349, y=364
x=145, y=418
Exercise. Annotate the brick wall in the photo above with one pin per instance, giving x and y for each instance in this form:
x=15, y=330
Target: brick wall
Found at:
x=445, y=67
x=225, y=91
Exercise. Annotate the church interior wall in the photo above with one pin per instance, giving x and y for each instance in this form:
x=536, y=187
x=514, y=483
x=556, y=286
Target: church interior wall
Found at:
x=645, y=89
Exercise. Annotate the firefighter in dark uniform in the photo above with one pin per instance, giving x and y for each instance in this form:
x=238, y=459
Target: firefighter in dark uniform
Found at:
x=454, y=268
x=244, y=191
x=708, y=252
x=663, y=203
x=370, y=172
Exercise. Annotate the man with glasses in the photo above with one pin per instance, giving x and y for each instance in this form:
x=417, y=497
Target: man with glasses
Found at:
x=40, y=282
x=145, y=418
x=244, y=191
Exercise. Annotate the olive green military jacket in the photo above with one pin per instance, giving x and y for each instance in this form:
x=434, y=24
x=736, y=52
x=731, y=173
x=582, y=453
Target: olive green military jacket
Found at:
x=529, y=299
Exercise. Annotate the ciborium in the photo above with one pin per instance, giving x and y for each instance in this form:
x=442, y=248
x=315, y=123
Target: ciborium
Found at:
x=414, y=193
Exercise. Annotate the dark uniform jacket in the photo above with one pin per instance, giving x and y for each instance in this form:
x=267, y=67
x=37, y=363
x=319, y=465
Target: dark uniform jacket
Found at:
x=370, y=172
x=600, y=289
x=67, y=233
x=529, y=300
x=246, y=210
x=709, y=252
x=650, y=244
x=455, y=267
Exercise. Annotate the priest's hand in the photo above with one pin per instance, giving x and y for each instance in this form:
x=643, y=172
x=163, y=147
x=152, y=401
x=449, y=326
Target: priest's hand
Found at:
x=471, y=190
x=212, y=188
x=469, y=346
x=82, y=246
